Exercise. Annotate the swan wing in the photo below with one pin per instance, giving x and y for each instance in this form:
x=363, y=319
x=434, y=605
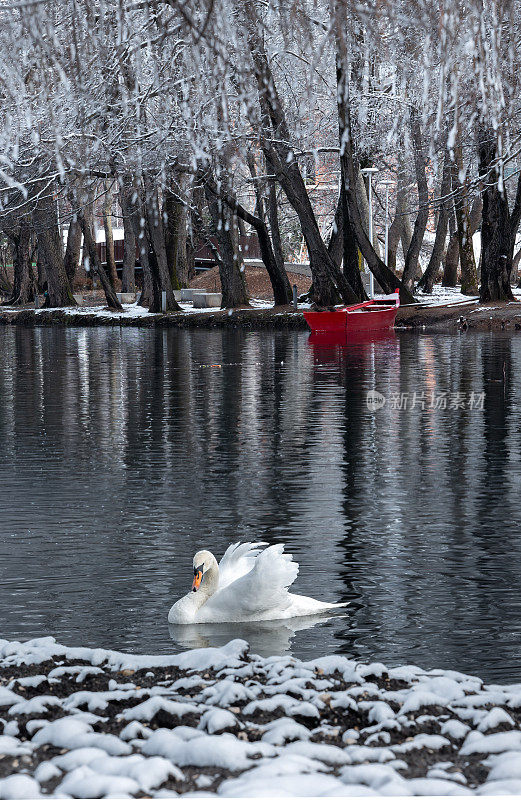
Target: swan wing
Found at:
x=237, y=561
x=261, y=592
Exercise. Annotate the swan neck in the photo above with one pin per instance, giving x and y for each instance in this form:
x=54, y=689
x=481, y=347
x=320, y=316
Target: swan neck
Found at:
x=208, y=586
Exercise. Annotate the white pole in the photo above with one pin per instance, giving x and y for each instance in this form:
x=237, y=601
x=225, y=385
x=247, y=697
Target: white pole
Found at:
x=371, y=276
x=387, y=225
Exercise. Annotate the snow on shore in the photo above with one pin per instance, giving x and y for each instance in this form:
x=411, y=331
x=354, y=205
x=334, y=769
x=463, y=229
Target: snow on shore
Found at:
x=129, y=310
x=444, y=295
x=80, y=722
x=133, y=310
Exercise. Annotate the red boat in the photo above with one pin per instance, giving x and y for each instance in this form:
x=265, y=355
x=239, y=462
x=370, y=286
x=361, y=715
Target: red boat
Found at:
x=377, y=314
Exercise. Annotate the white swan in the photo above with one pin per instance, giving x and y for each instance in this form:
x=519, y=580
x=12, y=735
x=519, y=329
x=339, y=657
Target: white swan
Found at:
x=248, y=584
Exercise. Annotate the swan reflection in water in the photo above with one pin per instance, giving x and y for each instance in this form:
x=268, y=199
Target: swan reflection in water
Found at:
x=265, y=637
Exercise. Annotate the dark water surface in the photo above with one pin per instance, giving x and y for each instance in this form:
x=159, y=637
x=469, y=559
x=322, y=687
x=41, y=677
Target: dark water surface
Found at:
x=123, y=452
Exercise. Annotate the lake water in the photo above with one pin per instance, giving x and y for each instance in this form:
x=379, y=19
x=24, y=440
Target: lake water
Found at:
x=125, y=451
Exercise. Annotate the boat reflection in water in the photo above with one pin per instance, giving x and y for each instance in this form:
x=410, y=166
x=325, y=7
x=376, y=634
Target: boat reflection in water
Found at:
x=265, y=637
x=345, y=338
x=341, y=348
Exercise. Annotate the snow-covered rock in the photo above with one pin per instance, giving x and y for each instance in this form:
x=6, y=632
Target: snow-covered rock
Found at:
x=225, y=721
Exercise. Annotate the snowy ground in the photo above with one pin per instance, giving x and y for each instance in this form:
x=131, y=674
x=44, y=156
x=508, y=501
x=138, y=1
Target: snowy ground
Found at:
x=441, y=295
x=445, y=295
x=129, y=310
x=95, y=723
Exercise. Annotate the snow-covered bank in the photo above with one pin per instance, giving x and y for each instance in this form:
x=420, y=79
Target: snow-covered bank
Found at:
x=446, y=310
x=80, y=722
x=260, y=315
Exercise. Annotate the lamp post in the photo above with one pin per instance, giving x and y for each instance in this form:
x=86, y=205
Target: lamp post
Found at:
x=370, y=171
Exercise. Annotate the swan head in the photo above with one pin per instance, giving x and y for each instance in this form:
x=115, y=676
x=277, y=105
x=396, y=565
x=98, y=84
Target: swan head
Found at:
x=204, y=562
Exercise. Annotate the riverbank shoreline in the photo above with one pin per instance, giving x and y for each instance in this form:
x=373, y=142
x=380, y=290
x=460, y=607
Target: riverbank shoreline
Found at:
x=278, y=317
x=86, y=722
x=449, y=318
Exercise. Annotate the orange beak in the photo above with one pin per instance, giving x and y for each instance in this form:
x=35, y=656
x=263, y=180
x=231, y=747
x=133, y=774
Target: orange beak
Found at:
x=198, y=576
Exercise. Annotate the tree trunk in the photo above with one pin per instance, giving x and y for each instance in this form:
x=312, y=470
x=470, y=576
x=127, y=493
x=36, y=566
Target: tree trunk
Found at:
x=109, y=238
x=497, y=244
x=335, y=246
x=351, y=259
x=175, y=239
x=279, y=280
x=40, y=268
x=413, y=251
x=231, y=268
x=396, y=228
x=515, y=266
x=426, y=283
x=387, y=279
x=273, y=219
x=50, y=247
x=190, y=258
x=73, y=249
x=451, y=263
x=327, y=277
x=87, y=218
x=350, y=255
x=282, y=293
x=362, y=200
x=194, y=222
x=406, y=229
x=6, y=287
x=157, y=240
x=469, y=277
x=241, y=228
x=476, y=212
x=451, y=260
x=24, y=286
x=150, y=297
x=496, y=247
x=328, y=280
x=271, y=250
x=89, y=246
x=128, y=274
